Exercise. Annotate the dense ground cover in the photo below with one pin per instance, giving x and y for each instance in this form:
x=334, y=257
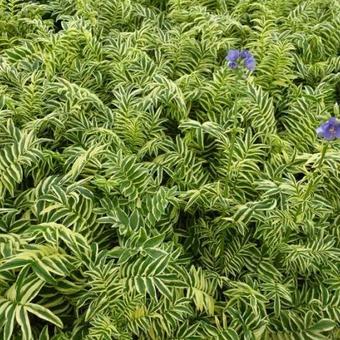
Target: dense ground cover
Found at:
x=150, y=191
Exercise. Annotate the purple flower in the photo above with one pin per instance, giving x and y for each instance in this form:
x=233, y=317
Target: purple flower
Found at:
x=250, y=63
x=233, y=64
x=233, y=55
x=245, y=54
x=329, y=130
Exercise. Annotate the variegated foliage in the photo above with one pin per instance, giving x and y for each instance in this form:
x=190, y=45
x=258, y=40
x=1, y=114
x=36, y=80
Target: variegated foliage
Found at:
x=149, y=192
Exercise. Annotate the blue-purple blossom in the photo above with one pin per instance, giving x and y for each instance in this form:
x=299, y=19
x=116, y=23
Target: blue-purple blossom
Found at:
x=245, y=54
x=235, y=56
x=329, y=130
x=250, y=63
x=232, y=64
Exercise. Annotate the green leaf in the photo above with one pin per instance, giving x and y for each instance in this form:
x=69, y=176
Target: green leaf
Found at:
x=324, y=325
x=14, y=264
x=153, y=242
x=24, y=322
x=9, y=324
x=44, y=334
x=30, y=290
x=42, y=272
x=43, y=313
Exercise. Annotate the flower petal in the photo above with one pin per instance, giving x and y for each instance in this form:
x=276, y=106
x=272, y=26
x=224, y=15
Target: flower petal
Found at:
x=250, y=63
x=329, y=135
x=233, y=64
x=330, y=129
x=331, y=121
x=320, y=131
x=337, y=130
x=233, y=55
x=245, y=54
